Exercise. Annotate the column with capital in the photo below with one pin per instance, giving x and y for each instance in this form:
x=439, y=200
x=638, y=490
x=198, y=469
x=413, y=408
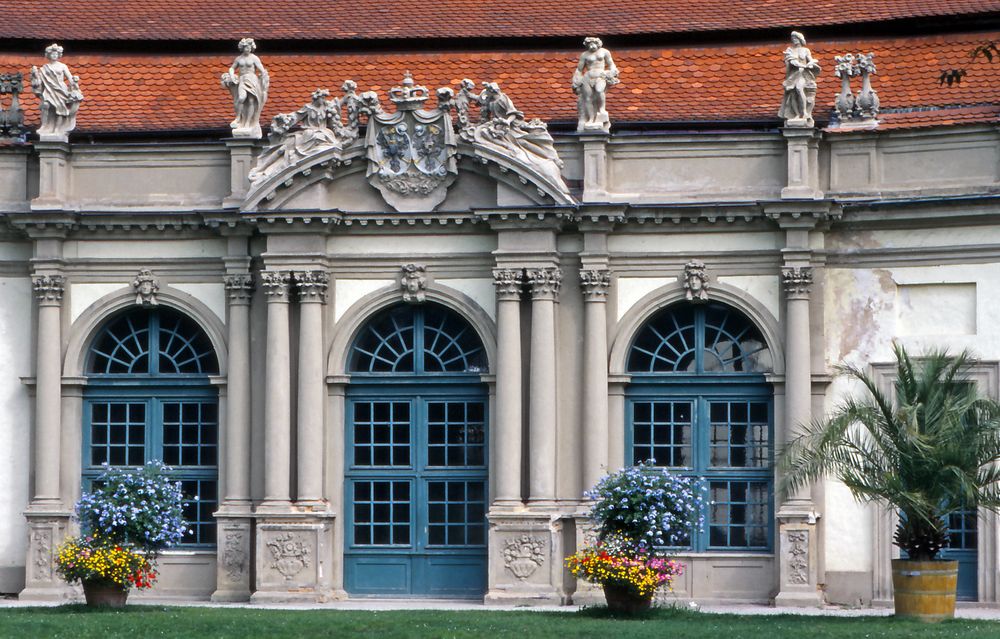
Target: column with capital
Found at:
x=47, y=515
x=544, y=286
x=233, y=518
x=595, y=284
x=508, y=283
x=277, y=403
x=311, y=286
x=798, y=547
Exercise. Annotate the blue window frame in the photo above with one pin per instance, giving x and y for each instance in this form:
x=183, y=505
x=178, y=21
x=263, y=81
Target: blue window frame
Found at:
x=698, y=403
x=416, y=456
x=148, y=397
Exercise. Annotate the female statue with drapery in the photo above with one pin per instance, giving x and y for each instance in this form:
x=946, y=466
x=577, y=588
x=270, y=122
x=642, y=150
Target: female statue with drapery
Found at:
x=59, y=95
x=801, y=70
x=249, y=90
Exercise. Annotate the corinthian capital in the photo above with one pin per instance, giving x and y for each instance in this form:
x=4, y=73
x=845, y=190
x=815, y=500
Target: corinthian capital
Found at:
x=797, y=281
x=545, y=282
x=595, y=284
x=508, y=282
x=311, y=285
x=239, y=288
x=276, y=285
x=48, y=289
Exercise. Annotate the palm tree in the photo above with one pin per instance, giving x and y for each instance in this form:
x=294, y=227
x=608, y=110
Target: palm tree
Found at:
x=928, y=452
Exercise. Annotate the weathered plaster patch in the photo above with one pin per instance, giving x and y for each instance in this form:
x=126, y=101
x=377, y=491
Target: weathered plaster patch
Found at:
x=936, y=309
x=763, y=288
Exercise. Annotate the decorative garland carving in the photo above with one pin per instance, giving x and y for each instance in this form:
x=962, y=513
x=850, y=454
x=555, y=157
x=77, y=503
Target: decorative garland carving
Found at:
x=523, y=555
x=291, y=555
x=234, y=557
x=798, y=556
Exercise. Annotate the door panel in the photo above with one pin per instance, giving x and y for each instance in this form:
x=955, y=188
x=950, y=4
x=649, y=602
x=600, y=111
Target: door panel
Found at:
x=416, y=490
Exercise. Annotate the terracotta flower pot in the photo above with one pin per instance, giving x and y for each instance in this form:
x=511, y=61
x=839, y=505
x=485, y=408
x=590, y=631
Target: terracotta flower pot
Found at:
x=924, y=590
x=624, y=600
x=100, y=594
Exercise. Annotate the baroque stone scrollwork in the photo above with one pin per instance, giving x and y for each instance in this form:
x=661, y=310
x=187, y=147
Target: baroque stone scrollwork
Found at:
x=411, y=153
x=798, y=556
x=594, y=74
x=797, y=281
x=413, y=281
x=249, y=90
x=545, y=282
x=290, y=555
x=312, y=285
x=41, y=543
x=314, y=128
x=239, y=288
x=48, y=288
x=595, y=284
x=276, y=285
x=146, y=287
x=234, y=557
x=801, y=70
x=508, y=283
x=695, y=281
x=523, y=555
x=58, y=93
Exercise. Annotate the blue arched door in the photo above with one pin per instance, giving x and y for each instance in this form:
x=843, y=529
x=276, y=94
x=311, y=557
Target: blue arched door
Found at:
x=698, y=403
x=416, y=457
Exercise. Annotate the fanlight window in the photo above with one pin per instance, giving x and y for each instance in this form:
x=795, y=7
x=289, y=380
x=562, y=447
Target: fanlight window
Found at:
x=709, y=338
x=177, y=344
x=418, y=339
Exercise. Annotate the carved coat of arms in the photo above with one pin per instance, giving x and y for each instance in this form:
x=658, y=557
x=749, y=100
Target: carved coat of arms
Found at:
x=411, y=153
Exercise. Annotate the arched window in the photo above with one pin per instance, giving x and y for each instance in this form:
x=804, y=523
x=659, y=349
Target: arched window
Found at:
x=416, y=456
x=699, y=404
x=148, y=396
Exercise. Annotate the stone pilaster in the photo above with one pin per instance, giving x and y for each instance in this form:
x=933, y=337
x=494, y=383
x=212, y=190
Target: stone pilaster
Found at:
x=542, y=419
x=507, y=459
x=234, y=523
x=595, y=284
x=241, y=160
x=803, y=164
x=595, y=166
x=53, y=175
x=277, y=402
x=525, y=563
x=797, y=543
x=311, y=287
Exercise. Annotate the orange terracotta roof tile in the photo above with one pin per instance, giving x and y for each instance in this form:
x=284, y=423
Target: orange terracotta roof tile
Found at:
x=137, y=93
x=420, y=19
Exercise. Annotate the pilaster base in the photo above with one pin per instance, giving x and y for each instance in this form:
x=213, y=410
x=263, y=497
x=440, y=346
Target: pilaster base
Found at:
x=526, y=552
x=798, y=582
x=586, y=593
x=235, y=541
x=46, y=531
x=294, y=558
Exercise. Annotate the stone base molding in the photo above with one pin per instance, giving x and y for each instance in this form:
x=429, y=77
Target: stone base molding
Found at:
x=525, y=563
x=798, y=571
x=585, y=593
x=235, y=552
x=294, y=559
x=46, y=531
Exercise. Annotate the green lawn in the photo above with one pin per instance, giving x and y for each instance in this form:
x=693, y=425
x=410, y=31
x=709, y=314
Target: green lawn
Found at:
x=140, y=622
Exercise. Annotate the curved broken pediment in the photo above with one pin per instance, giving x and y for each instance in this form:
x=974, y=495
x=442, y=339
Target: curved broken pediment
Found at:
x=413, y=160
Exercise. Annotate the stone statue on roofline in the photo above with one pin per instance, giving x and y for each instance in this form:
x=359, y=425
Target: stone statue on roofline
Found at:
x=801, y=70
x=595, y=72
x=248, y=82
x=59, y=96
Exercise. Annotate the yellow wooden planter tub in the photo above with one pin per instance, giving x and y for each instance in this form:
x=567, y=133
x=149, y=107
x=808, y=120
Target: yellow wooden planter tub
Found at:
x=925, y=590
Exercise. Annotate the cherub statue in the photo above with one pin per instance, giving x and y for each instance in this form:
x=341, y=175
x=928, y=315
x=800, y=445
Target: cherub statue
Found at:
x=249, y=90
x=58, y=93
x=595, y=72
x=801, y=70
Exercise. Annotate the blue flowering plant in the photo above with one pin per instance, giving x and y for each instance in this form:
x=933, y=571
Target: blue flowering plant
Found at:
x=648, y=506
x=141, y=509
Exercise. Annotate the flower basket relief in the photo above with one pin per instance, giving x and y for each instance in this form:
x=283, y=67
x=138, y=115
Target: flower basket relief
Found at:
x=126, y=520
x=638, y=513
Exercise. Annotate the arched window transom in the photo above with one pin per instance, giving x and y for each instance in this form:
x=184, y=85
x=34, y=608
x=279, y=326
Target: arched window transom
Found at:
x=417, y=339
x=179, y=345
x=707, y=338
